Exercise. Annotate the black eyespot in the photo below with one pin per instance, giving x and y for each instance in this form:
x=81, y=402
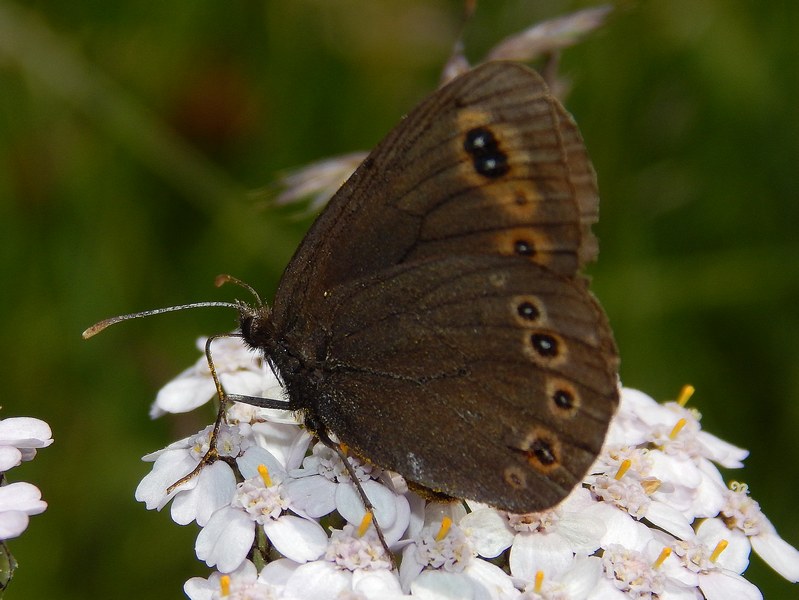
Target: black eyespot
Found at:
x=523, y=248
x=488, y=159
x=480, y=141
x=494, y=165
x=528, y=311
x=543, y=452
x=544, y=344
x=563, y=399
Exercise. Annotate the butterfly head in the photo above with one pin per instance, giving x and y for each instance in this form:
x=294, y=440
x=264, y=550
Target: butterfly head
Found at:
x=255, y=323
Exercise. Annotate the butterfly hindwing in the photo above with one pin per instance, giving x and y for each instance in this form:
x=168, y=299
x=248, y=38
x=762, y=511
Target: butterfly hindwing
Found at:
x=504, y=358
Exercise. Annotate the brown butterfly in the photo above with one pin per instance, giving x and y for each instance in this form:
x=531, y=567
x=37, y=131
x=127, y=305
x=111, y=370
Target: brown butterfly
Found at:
x=434, y=317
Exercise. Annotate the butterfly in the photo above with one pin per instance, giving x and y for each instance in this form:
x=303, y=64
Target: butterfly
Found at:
x=434, y=317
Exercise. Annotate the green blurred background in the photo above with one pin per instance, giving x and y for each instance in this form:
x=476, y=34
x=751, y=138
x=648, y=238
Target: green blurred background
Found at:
x=132, y=134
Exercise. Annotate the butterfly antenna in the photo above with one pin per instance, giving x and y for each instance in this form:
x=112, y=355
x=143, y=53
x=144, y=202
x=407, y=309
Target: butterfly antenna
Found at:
x=225, y=278
x=98, y=327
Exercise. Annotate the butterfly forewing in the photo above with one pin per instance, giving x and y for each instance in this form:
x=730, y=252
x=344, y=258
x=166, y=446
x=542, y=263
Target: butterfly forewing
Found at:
x=419, y=193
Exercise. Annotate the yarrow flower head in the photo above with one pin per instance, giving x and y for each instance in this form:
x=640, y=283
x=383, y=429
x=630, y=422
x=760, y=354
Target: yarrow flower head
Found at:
x=20, y=437
x=281, y=518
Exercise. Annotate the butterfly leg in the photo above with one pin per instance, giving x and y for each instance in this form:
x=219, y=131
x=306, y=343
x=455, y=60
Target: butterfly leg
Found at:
x=224, y=401
x=367, y=504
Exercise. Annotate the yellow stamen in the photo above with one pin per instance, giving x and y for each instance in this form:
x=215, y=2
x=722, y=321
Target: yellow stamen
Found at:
x=224, y=585
x=264, y=473
x=720, y=547
x=365, y=522
x=664, y=554
x=623, y=468
x=344, y=448
x=677, y=428
x=651, y=485
x=539, y=581
x=446, y=523
x=685, y=394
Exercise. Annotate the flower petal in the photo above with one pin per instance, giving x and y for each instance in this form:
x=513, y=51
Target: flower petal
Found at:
x=296, y=538
x=315, y=496
x=440, y=585
x=669, y=519
x=531, y=552
x=10, y=457
x=319, y=580
x=375, y=583
x=254, y=457
x=724, y=585
x=12, y=523
x=25, y=432
x=215, y=487
x=490, y=578
x=22, y=496
x=169, y=467
x=488, y=530
x=183, y=394
x=225, y=541
x=350, y=505
x=777, y=553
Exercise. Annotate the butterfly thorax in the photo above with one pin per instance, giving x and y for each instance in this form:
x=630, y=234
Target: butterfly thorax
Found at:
x=298, y=363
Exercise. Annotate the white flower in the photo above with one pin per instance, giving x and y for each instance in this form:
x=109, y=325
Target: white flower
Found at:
x=630, y=483
x=550, y=36
x=197, y=498
x=323, y=485
x=548, y=541
x=260, y=500
x=718, y=556
x=19, y=438
x=644, y=570
x=17, y=502
x=353, y=566
x=743, y=514
x=241, y=584
x=320, y=180
x=575, y=582
x=440, y=559
x=240, y=370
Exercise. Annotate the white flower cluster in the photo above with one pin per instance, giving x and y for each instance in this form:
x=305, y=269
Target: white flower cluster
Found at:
x=653, y=519
x=19, y=439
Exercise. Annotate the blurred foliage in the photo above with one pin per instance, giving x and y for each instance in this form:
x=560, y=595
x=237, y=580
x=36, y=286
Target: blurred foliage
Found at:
x=132, y=134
